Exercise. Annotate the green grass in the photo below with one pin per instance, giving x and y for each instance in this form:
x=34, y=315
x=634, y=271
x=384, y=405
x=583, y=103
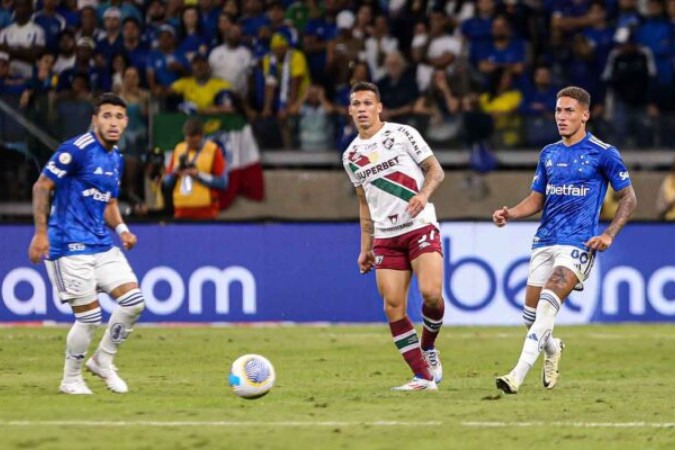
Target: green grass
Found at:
x=333, y=389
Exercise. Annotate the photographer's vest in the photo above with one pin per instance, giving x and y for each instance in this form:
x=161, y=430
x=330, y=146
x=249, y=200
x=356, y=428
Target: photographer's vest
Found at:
x=199, y=196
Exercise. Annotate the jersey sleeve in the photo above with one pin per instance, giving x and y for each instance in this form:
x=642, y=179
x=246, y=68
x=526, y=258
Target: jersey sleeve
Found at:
x=540, y=179
x=416, y=146
x=63, y=163
x=614, y=169
x=120, y=171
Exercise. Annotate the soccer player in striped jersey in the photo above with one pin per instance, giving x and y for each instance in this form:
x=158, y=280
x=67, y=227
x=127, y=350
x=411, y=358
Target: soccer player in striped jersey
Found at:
x=71, y=235
x=395, y=172
x=569, y=186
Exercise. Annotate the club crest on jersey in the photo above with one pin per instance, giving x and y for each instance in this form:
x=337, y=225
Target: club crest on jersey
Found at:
x=65, y=158
x=388, y=143
x=379, y=259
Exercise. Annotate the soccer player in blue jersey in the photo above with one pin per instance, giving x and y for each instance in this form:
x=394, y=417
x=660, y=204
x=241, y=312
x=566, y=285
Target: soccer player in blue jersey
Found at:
x=569, y=186
x=70, y=234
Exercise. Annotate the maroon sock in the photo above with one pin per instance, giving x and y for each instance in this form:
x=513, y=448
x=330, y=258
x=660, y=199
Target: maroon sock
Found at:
x=407, y=343
x=433, y=320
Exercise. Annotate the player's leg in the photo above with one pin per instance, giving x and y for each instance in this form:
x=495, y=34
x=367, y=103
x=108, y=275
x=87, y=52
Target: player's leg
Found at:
x=428, y=268
x=115, y=277
x=73, y=279
x=554, y=346
x=393, y=286
x=559, y=285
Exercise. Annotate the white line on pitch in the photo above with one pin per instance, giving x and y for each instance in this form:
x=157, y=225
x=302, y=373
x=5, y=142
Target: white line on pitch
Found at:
x=220, y=423
x=570, y=424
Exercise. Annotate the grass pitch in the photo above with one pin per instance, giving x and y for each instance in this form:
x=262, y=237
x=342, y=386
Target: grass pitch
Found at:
x=616, y=392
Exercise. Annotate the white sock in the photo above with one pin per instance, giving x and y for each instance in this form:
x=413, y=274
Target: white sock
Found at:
x=538, y=334
x=120, y=325
x=529, y=316
x=78, y=340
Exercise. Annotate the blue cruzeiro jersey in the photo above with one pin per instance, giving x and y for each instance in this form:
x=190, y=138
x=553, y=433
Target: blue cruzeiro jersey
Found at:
x=87, y=176
x=574, y=180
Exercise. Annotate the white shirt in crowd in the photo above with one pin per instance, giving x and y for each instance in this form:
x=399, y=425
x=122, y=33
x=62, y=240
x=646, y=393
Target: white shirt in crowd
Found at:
x=233, y=65
x=22, y=36
x=387, y=44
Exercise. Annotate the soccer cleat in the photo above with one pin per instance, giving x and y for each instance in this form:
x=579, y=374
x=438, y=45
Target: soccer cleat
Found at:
x=417, y=384
x=507, y=384
x=432, y=357
x=549, y=371
x=75, y=387
x=114, y=382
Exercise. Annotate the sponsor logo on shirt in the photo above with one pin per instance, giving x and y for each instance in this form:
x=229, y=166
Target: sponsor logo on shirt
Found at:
x=567, y=189
x=55, y=170
x=378, y=168
x=65, y=158
x=624, y=175
x=96, y=195
x=76, y=247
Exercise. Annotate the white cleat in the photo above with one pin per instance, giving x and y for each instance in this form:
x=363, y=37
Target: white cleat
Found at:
x=550, y=372
x=75, y=387
x=114, y=382
x=417, y=384
x=507, y=384
x=432, y=357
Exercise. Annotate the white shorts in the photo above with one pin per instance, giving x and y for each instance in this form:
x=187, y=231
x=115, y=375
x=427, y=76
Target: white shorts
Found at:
x=79, y=278
x=544, y=259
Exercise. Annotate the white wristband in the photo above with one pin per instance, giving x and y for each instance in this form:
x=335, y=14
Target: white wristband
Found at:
x=121, y=228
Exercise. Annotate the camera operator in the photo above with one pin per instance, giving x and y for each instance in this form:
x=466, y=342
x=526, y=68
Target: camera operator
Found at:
x=195, y=173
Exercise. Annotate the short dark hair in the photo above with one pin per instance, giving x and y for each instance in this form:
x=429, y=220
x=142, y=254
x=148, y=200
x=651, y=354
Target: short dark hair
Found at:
x=193, y=127
x=108, y=99
x=365, y=86
x=579, y=94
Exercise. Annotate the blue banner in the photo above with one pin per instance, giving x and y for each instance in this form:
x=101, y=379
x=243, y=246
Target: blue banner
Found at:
x=308, y=273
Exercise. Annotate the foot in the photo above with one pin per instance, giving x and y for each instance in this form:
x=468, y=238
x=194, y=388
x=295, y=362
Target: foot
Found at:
x=109, y=375
x=76, y=386
x=432, y=357
x=550, y=372
x=417, y=384
x=507, y=384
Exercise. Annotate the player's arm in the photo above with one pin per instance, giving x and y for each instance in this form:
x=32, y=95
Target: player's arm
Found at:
x=433, y=177
x=530, y=206
x=366, y=259
x=42, y=191
x=627, y=205
x=113, y=218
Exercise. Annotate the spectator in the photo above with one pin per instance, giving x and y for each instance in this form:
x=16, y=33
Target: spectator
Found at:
x=165, y=65
x=477, y=30
x=125, y=7
x=192, y=38
x=363, y=28
x=377, y=47
x=225, y=22
x=195, y=174
x=252, y=18
x=10, y=85
x=665, y=200
x=70, y=12
x=436, y=51
x=538, y=107
x=319, y=30
x=209, y=15
x=118, y=66
x=501, y=102
x=97, y=78
x=200, y=89
x=112, y=41
x=155, y=17
x=134, y=143
x=66, y=56
x=232, y=61
x=398, y=89
x=277, y=23
x=23, y=40
x=6, y=11
x=51, y=22
x=506, y=51
x=343, y=51
x=132, y=46
x=42, y=85
x=315, y=124
x=442, y=108
x=286, y=80
x=89, y=25
x=630, y=76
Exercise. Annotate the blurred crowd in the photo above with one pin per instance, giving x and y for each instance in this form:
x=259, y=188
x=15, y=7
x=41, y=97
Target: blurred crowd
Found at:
x=463, y=72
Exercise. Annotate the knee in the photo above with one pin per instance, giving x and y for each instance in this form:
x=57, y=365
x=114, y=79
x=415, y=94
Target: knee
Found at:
x=394, y=309
x=132, y=302
x=431, y=295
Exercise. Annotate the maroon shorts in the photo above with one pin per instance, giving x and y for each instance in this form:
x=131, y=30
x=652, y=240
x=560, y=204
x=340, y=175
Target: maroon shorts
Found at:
x=397, y=252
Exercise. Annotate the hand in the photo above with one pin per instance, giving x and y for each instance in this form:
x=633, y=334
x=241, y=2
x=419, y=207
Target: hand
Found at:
x=601, y=242
x=39, y=248
x=190, y=171
x=366, y=262
x=416, y=205
x=128, y=239
x=501, y=217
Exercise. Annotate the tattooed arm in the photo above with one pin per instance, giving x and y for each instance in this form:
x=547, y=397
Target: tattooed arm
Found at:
x=366, y=259
x=433, y=176
x=39, y=245
x=627, y=205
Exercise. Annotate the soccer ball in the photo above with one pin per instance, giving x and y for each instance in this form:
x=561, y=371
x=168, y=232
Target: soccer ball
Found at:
x=251, y=376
